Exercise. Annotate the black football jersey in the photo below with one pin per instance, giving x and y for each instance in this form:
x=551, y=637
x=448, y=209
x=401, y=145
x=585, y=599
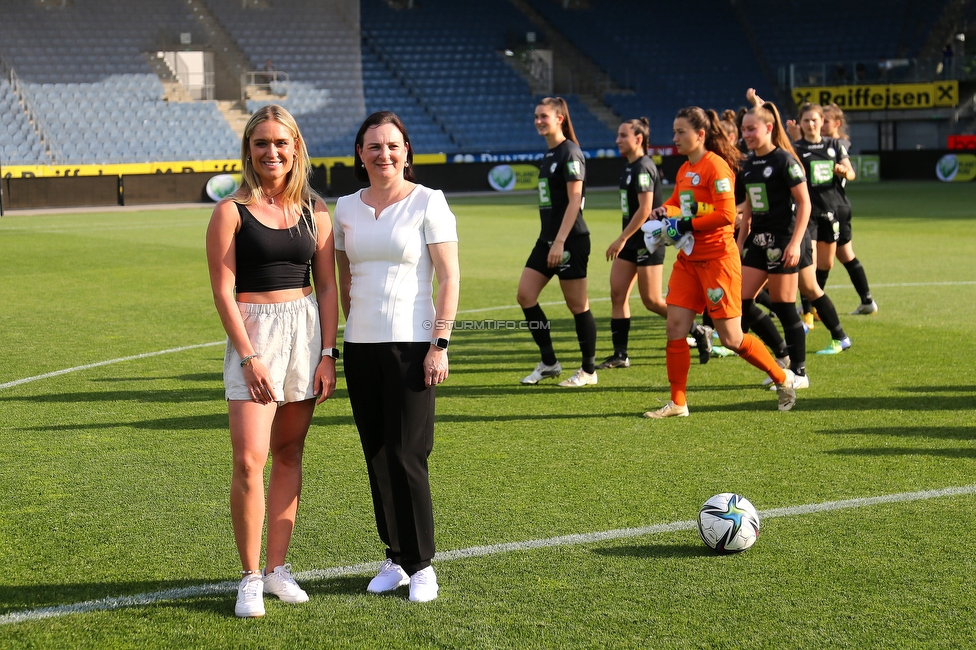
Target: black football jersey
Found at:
x=826, y=187
x=639, y=176
x=768, y=181
x=561, y=164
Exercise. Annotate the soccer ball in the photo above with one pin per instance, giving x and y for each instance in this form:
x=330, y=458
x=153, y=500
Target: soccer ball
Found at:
x=728, y=523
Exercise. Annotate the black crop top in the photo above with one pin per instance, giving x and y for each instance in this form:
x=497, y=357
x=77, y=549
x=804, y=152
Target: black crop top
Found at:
x=269, y=259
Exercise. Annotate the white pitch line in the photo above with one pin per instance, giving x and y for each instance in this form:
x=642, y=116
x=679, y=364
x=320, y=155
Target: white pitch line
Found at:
x=25, y=380
x=150, y=598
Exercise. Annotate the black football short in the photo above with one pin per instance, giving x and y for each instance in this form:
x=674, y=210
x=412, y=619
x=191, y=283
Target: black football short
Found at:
x=576, y=254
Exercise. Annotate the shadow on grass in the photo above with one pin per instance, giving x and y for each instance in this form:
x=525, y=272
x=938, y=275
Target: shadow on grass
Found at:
x=905, y=451
x=938, y=389
x=656, y=551
x=939, y=433
x=217, y=596
x=196, y=376
x=141, y=396
x=803, y=403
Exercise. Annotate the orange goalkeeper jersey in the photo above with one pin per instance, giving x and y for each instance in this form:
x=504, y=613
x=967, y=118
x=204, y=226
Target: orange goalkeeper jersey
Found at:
x=708, y=181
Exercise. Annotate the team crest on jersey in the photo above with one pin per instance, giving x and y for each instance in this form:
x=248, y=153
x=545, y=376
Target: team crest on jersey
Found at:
x=831, y=152
x=767, y=172
x=553, y=168
x=695, y=179
x=573, y=167
x=628, y=179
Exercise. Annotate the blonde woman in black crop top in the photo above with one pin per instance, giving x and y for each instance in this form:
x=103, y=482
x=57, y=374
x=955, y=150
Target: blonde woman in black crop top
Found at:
x=267, y=245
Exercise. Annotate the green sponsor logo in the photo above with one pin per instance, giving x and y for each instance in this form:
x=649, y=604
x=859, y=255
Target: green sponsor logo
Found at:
x=947, y=167
x=223, y=185
x=545, y=199
x=821, y=172
x=757, y=197
x=723, y=185
x=796, y=171
x=686, y=199
x=715, y=295
x=644, y=180
x=624, y=203
x=502, y=178
x=573, y=168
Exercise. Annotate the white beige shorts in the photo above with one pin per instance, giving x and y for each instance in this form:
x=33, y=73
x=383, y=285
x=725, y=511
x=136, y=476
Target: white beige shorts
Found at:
x=288, y=340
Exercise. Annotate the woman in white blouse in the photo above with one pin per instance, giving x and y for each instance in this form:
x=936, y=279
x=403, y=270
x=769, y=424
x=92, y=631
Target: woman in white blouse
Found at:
x=391, y=239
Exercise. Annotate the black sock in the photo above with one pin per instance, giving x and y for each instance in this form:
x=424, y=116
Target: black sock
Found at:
x=764, y=328
x=620, y=333
x=860, y=280
x=764, y=299
x=539, y=327
x=586, y=334
x=804, y=305
x=828, y=316
x=822, y=277
x=795, y=338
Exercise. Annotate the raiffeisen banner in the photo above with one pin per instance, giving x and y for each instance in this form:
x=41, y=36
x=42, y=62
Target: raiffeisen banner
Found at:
x=881, y=97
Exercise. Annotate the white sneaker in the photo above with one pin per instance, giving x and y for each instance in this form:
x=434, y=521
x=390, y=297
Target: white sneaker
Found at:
x=786, y=392
x=391, y=576
x=423, y=585
x=799, y=381
x=864, y=310
x=281, y=584
x=542, y=371
x=250, y=597
x=669, y=410
x=579, y=378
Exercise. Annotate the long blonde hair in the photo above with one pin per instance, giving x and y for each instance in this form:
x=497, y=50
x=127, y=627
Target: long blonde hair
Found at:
x=298, y=195
x=769, y=114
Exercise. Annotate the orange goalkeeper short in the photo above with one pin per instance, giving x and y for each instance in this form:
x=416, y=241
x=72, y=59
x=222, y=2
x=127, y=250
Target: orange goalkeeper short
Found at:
x=715, y=285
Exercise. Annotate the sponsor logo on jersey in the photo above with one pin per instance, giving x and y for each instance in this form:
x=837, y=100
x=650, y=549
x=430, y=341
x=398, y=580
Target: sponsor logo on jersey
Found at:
x=796, y=171
x=644, y=179
x=573, y=167
x=806, y=154
x=723, y=185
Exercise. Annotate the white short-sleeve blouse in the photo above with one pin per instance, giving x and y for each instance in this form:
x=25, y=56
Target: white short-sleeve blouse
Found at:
x=391, y=297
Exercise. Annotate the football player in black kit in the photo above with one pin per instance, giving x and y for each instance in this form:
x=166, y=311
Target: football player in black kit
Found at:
x=774, y=222
x=640, y=192
x=563, y=246
x=827, y=166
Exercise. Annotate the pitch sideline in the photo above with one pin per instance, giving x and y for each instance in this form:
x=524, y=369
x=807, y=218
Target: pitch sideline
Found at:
x=150, y=598
x=56, y=373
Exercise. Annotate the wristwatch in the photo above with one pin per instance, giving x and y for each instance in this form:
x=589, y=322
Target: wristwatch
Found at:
x=440, y=343
x=331, y=352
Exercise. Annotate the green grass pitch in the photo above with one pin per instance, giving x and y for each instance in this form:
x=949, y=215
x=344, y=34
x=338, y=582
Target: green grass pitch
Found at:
x=114, y=479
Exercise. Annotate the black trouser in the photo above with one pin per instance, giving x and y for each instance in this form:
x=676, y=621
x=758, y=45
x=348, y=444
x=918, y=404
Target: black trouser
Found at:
x=394, y=413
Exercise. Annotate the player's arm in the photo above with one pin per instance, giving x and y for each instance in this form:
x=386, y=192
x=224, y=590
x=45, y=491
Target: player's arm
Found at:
x=345, y=281
x=324, y=279
x=575, y=191
x=222, y=264
x=634, y=225
x=845, y=169
x=801, y=196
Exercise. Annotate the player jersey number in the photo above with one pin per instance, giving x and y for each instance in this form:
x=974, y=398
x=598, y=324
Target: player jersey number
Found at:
x=686, y=199
x=757, y=197
x=545, y=198
x=624, y=203
x=821, y=171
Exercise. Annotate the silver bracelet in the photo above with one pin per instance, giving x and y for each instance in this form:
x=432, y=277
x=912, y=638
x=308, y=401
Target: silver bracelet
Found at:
x=246, y=360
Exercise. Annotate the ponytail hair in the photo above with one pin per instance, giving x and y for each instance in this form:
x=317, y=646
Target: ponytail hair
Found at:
x=559, y=106
x=728, y=124
x=715, y=139
x=641, y=127
x=834, y=112
x=769, y=114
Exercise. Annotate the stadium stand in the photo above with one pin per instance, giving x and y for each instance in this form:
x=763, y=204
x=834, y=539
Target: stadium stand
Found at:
x=641, y=46
x=84, y=74
x=19, y=143
x=320, y=52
